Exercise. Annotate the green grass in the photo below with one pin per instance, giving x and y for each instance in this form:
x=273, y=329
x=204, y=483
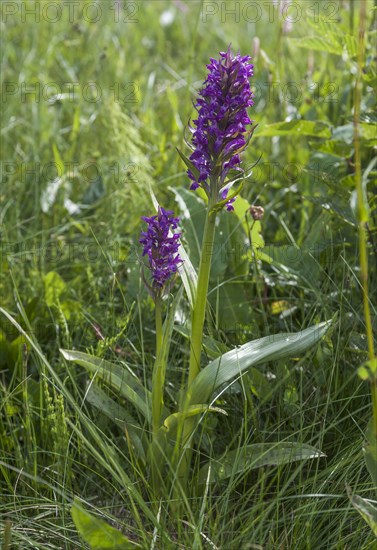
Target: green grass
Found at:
x=70, y=268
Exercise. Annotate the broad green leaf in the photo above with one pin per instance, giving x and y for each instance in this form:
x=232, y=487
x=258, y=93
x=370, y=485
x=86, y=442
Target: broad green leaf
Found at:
x=117, y=414
x=296, y=128
x=235, y=362
x=252, y=228
x=365, y=509
x=255, y=456
x=54, y=287
x=97, y=533
x=368, y=131
x=117, y=377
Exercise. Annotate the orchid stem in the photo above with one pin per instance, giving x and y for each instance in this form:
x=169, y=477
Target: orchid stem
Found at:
x=197, y=325
x=199, y=310
x=363, y=211
x=157, y=377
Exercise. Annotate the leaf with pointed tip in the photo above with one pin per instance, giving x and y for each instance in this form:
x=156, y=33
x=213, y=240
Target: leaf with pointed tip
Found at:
x=365, y=509
x=190, y=165
x=255, y=456
x=117, y=377
x=236, y=362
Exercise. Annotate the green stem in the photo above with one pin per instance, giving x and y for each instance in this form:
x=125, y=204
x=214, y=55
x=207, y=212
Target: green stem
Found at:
x=197, y=325
x=199, y=310
x=363, y=210
x=157, y=377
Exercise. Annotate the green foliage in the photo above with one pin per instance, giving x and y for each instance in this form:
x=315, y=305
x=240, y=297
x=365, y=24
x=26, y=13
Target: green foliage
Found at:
x=97, y=533
x=235, y=463
x=235, y=362
x=296, y=128
x=69, y=276
x=119, y=377
x=367, y=511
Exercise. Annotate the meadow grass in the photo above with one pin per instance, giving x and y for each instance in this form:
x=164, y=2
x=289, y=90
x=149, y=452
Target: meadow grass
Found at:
x=75, y=179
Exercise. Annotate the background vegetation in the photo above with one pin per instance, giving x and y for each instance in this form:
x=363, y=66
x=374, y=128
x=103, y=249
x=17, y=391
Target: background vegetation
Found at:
x=95, y=101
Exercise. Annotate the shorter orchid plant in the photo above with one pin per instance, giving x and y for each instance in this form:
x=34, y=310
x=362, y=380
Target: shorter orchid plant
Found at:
x=220, y=133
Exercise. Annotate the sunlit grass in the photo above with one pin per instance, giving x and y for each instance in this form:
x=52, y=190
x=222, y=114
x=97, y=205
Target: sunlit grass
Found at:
x=101, y=307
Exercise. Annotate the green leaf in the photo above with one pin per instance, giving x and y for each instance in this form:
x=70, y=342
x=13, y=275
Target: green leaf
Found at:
x=255, y=456
x=329, y=44
x=365, y=509
x=252, y=228
x=167, y=434
x=190, y=165
x=296, y=128
x=54, y=287
x=117, y=414
x=368, y=370
x=58, y=160
x=234, y=363
x=97, y=533
x=368, y=132
x=115, y=376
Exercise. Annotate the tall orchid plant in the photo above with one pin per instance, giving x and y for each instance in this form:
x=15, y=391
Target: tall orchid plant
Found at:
x=220, y=133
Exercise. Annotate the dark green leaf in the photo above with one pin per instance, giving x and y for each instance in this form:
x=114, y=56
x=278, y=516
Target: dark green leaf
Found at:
x=255, y=456
x=234, y=363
